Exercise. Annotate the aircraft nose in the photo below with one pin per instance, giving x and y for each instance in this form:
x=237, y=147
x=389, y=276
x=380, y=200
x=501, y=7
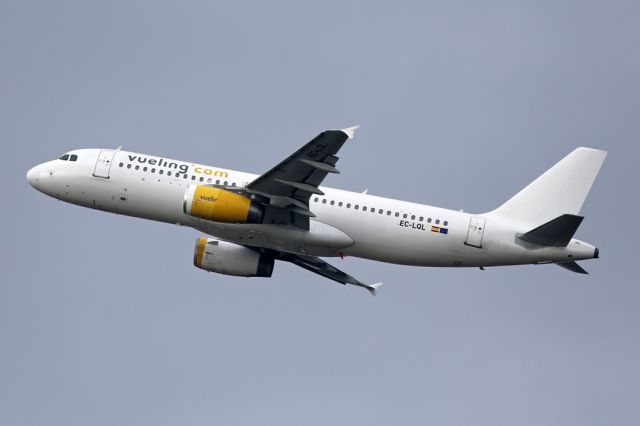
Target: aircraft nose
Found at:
x=33, y=176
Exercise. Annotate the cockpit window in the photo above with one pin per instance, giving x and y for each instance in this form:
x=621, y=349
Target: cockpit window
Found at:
x=73, y=157
x=65, y=157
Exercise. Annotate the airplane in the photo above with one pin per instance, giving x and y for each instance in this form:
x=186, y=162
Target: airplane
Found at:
x=251, y=221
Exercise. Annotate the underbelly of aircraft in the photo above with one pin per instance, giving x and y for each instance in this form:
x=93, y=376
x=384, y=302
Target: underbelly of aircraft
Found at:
x=320, y=240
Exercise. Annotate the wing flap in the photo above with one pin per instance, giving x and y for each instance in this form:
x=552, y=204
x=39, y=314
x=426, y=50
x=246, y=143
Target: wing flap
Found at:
x=303, y=186
x=321, y=165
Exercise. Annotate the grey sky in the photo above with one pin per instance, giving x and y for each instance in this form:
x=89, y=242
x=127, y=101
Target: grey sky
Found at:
x=104, y=320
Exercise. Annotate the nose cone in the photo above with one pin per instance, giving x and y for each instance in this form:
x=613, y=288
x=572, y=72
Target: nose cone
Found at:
x=33, y=176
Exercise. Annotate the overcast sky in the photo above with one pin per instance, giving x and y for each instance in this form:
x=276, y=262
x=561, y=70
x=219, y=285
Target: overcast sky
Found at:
x=105, y=321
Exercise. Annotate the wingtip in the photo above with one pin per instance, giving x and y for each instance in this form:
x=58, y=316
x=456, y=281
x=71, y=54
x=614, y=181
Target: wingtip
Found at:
x=350, y=131
x=373, y=288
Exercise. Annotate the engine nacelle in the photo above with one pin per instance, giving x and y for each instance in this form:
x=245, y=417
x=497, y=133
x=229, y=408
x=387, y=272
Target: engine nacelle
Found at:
x=231, y=259
x=220, y=205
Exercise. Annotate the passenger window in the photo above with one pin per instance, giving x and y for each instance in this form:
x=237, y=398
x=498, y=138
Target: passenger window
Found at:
x=340, y=204
x=169, y=173
x=429, y=220
x=388, y=212
x=161, y=171
x=380, y=211
x=324, y=201
x=437, y=221
x=211, y=180
x=373, y=210
x=356, y=207
x=201, y=179
x=153, y=170
x=348, y=205
x=315, y=200
x=332, y=202
x=193, y=177
x=413, y=217
x=397, y=214
x=421, y=219
x=217, y=181
x=121, y=164
x=137, y=167
x=404, y=216
x=64, y=157
x=73, y=157
x=364, y=208
x=184, y=176
x=144, y=169
x=233, y=184
x=445, y=223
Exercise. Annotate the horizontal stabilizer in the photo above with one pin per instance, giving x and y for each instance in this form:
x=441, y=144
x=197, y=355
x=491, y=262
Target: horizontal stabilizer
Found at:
x=555, y=233
x=572, y=266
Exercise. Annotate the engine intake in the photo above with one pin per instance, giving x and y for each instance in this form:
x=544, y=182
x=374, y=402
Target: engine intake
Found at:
x=231, y=259
x=220, y=205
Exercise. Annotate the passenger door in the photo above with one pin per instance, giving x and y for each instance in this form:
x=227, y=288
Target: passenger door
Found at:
x=103, y=164
x=475, y=232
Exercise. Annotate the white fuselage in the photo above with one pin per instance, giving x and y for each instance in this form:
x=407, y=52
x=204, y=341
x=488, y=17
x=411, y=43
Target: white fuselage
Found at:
x=345, y=223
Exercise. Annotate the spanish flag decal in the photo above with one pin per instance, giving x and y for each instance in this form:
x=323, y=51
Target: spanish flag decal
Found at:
x=439, y=230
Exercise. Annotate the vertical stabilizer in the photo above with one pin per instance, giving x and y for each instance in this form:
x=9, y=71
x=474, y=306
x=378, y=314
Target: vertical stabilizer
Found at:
x=560, y=190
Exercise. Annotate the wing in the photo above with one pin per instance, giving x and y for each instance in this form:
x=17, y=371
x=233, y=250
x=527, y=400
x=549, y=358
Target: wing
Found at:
x=289, y=185
x=320, y=267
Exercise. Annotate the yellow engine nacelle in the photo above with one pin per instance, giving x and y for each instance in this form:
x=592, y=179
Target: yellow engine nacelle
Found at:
x=220, y=205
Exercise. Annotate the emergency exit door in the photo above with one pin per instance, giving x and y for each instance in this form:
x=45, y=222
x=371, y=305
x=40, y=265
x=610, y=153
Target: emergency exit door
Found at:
x=103, y=164
x=475, y=232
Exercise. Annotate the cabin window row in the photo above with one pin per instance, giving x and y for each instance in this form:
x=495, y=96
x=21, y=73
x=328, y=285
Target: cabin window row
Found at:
x=177, y=175
x=380, y=211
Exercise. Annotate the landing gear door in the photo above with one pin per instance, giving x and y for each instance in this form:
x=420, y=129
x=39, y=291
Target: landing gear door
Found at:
x=475, y=232
x=103, y=164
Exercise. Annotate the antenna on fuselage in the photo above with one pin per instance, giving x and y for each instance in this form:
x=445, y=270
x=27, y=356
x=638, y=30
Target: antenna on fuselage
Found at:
x=119, y=148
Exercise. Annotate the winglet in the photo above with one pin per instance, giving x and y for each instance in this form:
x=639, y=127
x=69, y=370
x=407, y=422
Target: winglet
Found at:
x=350, y=131
x=373, y=288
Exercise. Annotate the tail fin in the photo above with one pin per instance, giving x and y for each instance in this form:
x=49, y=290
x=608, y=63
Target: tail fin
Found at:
x=560, y=190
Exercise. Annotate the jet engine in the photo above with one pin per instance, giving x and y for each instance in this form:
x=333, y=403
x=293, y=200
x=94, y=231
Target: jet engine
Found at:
x=220, y=205
x=231, y=259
